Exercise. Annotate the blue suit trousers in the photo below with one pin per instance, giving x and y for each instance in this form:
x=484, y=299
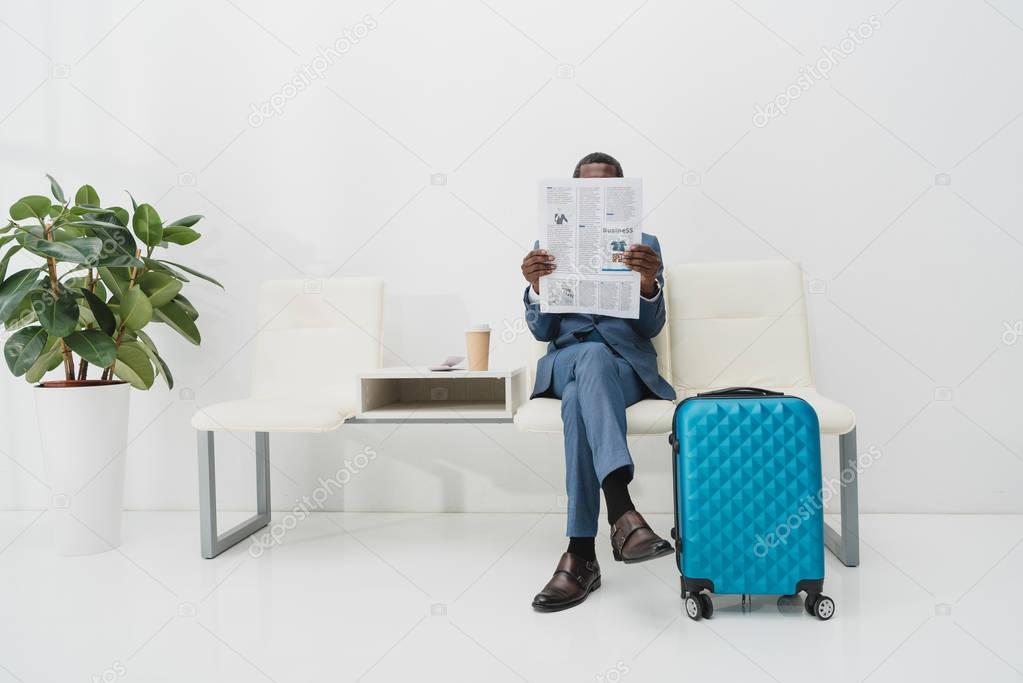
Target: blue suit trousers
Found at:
x=595, y=386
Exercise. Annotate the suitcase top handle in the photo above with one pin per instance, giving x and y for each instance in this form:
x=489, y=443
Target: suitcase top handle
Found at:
x=741, y=391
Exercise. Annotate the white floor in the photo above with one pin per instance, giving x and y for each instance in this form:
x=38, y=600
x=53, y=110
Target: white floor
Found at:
x=389, y=597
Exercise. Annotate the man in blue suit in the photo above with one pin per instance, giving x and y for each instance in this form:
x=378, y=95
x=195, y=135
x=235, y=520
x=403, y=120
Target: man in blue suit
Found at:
x=598, y=366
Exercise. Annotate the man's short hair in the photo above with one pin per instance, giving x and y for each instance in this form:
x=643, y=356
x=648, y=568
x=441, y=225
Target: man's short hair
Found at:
x=599, y=158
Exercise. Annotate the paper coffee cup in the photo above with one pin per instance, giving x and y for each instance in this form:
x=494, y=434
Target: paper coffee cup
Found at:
x=477, y=346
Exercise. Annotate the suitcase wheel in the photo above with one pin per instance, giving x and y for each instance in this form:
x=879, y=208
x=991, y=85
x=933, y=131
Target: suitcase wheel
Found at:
x=699, y=606
x=706, y=604
x=820, y=606
x=693, y=607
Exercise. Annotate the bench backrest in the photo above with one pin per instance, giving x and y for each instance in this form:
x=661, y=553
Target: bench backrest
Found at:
x=738, y=324
x=731, y=324
x=316, y=335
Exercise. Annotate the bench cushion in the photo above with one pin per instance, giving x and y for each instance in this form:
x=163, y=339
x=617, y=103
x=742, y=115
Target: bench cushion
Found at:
x=654, y=416
x=273, y=415
x=651, y=416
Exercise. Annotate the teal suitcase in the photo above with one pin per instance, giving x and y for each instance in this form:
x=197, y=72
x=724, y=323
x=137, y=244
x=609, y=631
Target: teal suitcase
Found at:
x=749, y=516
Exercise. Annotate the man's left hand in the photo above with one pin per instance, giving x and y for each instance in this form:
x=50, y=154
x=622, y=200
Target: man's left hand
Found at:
x=645, y=261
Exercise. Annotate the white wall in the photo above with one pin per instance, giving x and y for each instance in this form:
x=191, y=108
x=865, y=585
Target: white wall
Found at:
x=913, y=279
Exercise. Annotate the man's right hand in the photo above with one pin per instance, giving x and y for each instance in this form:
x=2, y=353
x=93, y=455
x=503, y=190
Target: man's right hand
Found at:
x=537, y=264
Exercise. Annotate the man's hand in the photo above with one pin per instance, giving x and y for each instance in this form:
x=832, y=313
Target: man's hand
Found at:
x=645, y=261
x=537, y=264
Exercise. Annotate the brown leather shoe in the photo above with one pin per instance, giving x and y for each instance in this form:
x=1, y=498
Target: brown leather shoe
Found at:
x=573, y=580
x=632, y=540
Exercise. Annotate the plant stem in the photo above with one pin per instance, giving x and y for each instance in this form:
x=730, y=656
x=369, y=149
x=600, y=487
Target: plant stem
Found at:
x=83, y=365
x=135, y=271
x=120, y=330
x=51, y=264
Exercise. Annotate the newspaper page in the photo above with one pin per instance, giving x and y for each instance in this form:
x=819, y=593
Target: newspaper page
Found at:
x=588, y=224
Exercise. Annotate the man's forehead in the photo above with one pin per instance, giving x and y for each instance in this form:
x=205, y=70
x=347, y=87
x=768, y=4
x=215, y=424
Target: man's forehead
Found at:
x=597, y=170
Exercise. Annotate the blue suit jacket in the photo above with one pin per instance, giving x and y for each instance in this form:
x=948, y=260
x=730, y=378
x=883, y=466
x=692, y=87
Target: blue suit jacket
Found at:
x=630, y=338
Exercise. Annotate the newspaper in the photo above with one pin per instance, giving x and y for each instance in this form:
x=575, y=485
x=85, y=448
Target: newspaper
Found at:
x=588, y=224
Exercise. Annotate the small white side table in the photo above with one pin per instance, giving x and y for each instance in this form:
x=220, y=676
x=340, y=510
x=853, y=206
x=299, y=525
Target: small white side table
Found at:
x=419, y=395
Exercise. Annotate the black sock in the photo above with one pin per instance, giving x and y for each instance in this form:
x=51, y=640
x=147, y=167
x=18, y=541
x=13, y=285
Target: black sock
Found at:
x=583, y=547
x=616, y=493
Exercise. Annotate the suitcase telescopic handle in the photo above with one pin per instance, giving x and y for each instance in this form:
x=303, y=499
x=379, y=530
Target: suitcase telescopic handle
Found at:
x=741, y=391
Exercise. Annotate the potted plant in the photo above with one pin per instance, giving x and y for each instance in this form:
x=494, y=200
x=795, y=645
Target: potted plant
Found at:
x=97, y=282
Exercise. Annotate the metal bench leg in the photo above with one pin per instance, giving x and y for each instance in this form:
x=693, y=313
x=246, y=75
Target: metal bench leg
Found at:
x=212, y=543
x=846, y=546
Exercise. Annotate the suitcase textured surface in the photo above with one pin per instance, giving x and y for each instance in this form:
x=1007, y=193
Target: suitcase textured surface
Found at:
x=748, y=507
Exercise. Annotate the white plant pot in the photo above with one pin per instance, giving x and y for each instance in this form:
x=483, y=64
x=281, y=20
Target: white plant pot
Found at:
x=84, y=437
